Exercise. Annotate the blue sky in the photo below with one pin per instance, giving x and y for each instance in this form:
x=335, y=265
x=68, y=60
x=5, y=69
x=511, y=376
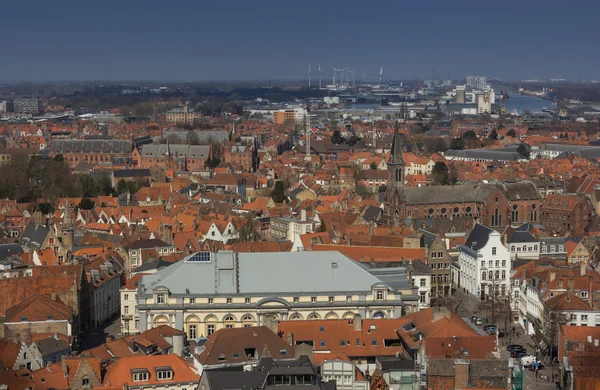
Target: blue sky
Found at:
x=264, y=39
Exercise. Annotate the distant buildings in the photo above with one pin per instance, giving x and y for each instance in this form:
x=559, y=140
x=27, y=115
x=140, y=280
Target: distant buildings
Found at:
x=27, y=106
x=181, y=115
x=288, y=116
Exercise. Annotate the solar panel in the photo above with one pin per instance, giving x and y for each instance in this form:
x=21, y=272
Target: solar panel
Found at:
x=200, y=257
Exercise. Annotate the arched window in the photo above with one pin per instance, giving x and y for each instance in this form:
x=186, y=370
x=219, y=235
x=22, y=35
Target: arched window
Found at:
x=378, y=315
x=444, y=211
x=468, y=211
x=497, y=275
x=313, y=316
x=295, y=316
x=524, y=248
x=515, y=213
x=229, y=321
x=533, y=213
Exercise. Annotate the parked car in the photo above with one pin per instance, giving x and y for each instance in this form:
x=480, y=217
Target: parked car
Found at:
x=513, y=346
x=478, y=321
x=528, y=360
x=490, y=328
x=518, y=353
x=501, y=333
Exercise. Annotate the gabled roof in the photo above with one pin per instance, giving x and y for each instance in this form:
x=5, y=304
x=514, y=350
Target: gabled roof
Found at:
x=228, y=346
x=478, y=237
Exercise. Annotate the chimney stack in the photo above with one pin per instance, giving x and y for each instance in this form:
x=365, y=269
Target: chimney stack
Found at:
x=290, y=338
x=357, y=322
x=303, y=215
x=582, y=268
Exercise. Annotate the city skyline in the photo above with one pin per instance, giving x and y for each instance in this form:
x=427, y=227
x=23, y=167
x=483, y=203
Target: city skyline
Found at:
x=239, y=41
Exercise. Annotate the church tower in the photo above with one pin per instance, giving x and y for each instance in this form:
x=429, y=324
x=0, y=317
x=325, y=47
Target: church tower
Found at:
x=395, y=200
x=67, y=230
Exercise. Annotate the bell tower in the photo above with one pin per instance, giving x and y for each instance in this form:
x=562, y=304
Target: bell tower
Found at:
x=395, y=200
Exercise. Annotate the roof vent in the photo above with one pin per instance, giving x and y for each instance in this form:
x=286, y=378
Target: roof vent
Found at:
x=334, y=265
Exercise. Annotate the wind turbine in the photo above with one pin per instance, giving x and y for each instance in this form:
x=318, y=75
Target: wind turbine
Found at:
x=353, y=73
x=319, y=76
x=380, y=75
x=309, y=75
x=334, y=70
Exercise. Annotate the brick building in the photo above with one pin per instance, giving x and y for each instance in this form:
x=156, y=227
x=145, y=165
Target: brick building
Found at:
x=566, y=213
x=95, y=152
x=172, y=157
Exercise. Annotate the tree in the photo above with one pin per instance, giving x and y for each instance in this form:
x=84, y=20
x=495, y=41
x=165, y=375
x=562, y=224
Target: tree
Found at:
x=45, y=208
x=511, y=133
x=550, y=330
x=524, y=150
x=457, y=144
x=337, y=138
x=373, y=165
x=493, y=135
x=86, y=204
x=59, y=157
x=353, y=140
x=363, y=191
x=453, y=174
x=248, y=231
x=212, y=163
x=278, y=194
x=440, y=173
x=469, y=135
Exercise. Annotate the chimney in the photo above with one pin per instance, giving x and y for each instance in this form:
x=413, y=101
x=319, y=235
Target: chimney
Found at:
x=56, y=336
x=303, y=215
x=582, y=268
x=461, y=374
x=132, y=345
x=357, y=323
x=178, y=344
x=290, y=338
x=552, y=276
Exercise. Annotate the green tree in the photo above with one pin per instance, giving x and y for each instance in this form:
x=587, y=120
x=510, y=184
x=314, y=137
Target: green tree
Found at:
x=337, y=138
x=45, y=208
x=278, y=194
x=470, y=135
x=440, y=173
x=373, y=165
x=457, y=144
x=524, y=150
x=511, y=133
x=212, y=163
x=86, y=204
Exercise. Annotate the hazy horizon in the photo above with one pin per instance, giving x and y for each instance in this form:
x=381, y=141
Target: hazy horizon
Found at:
x=190, y=41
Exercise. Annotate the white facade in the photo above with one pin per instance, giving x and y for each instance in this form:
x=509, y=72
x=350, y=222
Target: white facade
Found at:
x=484, y=269
x=130, y=318
x=525, y=250
x=344, y=374
x=106, y=300
x=229, y=233
x=423, y=283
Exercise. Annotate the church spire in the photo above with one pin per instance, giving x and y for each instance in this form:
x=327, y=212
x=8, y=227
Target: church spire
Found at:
x=67, y=221
x=396, y=152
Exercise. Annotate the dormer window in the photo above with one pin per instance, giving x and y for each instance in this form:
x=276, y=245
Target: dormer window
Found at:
x=160, y=298
x=379, y=295
x=163, y=373
x=140, y=374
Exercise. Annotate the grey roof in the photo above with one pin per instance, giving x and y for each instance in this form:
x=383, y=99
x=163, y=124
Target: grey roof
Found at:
x=493, y=371
x=420, y=268
x=485, y=154
x=478, y=237
x=33, y=237
x=189, y=151
x=152, y=265
x=51, y=346
x=7, y=250
x=392, y=276
x=470, y=192
x=147, y=244
x=373, y=213
x=427, y=238
x=91, y=146
x=235, y=380
x=258, y=273
x=519, y=237
x=132, y=173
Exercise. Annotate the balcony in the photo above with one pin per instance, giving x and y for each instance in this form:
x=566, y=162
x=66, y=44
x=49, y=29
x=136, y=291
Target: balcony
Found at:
x=126, y=316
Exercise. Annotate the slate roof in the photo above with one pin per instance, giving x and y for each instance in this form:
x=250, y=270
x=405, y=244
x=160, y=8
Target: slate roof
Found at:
x=484, y=154
x=90, y=146
x=33, y=237
x=7, y=250
x=479, y=237
x=147, y=244
x=189, y=151
x=131, y=173
x=204, y=136
x=51, y=346
x=239, y=380
x=520, y=237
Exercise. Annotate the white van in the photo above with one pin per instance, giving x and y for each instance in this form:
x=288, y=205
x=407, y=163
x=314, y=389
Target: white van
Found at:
x=528, y=360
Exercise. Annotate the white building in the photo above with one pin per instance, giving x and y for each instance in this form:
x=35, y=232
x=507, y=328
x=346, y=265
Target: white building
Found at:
x=484, y=264
x=523, y=245
x=421, y=279
x=343, y=372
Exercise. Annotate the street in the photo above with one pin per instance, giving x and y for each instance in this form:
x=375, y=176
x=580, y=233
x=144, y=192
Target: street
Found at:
x=98, y=336
x=472, y=306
